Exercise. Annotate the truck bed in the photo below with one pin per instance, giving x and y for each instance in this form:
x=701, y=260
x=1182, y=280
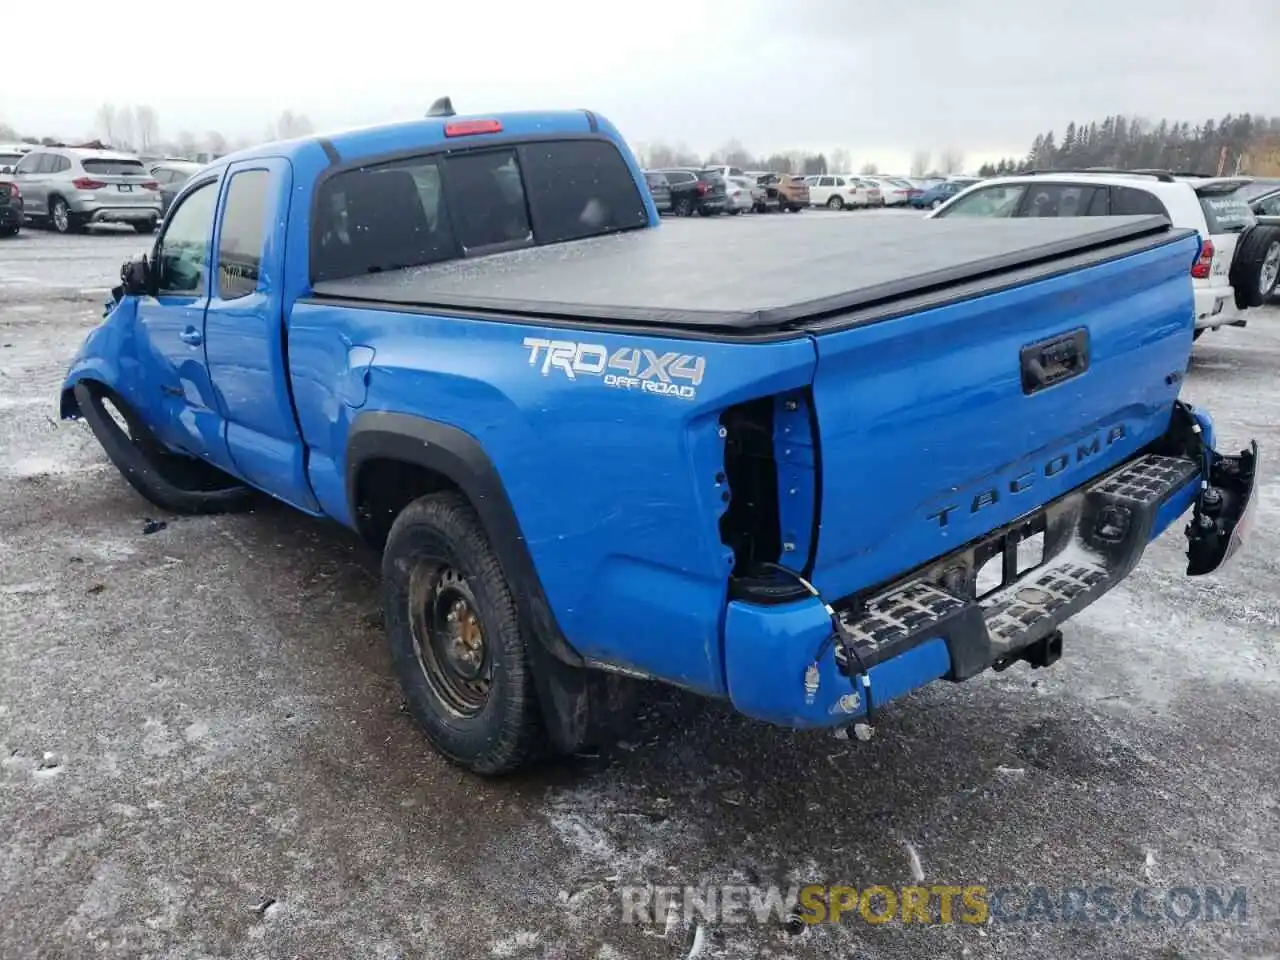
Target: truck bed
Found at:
x=765, y=275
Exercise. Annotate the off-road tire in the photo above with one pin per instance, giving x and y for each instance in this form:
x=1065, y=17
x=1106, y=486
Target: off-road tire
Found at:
x=1257, y=252
x=172, y=482
x=506, y=734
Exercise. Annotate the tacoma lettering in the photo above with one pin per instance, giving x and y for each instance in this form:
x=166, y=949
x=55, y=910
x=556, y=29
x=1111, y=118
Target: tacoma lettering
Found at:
x=1024, y=481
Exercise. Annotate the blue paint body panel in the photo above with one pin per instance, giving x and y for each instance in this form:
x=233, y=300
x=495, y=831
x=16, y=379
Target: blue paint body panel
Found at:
x=895, y=442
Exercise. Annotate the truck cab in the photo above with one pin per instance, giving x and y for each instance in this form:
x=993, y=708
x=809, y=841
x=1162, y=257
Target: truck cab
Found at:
x=586, y=464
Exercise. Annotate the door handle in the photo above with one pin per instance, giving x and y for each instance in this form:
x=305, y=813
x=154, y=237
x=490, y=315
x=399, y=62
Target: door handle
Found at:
x=192, y=336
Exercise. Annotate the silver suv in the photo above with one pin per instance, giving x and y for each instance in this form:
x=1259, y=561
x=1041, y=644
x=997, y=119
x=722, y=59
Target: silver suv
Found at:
x=71, y=187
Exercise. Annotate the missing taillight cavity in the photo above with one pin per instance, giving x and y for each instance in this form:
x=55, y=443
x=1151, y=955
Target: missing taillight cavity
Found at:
x=751, y=526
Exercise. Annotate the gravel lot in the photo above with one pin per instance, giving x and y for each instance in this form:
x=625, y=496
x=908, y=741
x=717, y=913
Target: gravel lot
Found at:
x=202, y=751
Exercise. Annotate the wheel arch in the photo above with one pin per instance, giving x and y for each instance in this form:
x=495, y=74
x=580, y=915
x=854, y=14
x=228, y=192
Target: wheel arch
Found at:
x=394, y=457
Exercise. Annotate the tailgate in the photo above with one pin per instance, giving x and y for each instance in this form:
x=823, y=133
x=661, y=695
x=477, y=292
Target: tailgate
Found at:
x=940, y=425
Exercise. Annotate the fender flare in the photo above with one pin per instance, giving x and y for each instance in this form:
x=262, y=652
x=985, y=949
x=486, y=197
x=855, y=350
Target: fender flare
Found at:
x=458, y=456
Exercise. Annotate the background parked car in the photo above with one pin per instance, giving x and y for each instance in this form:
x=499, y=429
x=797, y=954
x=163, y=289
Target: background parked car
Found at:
x=659, y=189
x=783, y=191
x=1263, y=197
x=71, y=187
x=737, y=195
x=831, y=190
x=871, y=190
x=171, y=175
x=940, y=193
x=10, y=208
x=10, y=154
x=759, y=195
x=894, y=192
x=1239, y=266
x=695, y=191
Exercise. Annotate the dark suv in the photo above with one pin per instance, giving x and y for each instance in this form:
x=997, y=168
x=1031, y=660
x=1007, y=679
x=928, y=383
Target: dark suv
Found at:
x=696, y=191
x=10, y=208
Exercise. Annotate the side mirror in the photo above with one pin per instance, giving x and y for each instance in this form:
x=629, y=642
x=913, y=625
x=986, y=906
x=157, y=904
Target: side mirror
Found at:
x=135, y=277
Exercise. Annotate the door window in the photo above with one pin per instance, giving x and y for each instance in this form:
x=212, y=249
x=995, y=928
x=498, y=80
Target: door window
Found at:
x=1059, y=200
x=243, y=235
x=1270, y=207
x=999, y=201
x=182, y=254
x=28, y=163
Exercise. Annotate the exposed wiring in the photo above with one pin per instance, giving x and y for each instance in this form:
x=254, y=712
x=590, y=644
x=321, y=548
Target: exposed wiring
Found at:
x=861, y=681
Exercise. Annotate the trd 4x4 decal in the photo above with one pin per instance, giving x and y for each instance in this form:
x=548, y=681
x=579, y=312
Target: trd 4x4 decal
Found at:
x=627, y=368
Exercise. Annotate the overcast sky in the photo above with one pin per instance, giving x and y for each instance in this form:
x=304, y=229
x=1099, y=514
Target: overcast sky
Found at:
x=881, y=80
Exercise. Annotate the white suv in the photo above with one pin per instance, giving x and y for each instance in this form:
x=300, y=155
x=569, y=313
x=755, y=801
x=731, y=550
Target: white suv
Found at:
x=1210, y=205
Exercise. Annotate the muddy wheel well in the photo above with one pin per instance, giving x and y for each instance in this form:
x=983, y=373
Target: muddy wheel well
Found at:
x=384, y=487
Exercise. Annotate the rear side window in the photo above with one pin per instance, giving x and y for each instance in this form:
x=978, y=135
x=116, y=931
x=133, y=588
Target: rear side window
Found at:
x=1059, y=200
x=113, y=168
x=244, y=234
x=380, y=218
x=428, y=209
x=1226, y=213
x=1132, y=202
x=579, y=188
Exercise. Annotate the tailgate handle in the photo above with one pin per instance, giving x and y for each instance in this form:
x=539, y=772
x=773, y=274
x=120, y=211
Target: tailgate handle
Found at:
x=1051, y=362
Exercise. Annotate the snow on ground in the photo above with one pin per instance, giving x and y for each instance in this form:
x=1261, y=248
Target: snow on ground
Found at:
x=203, y=752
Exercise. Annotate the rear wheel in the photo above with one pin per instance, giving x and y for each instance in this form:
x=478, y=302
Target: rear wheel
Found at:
x=456, y=639
x=683, y=207
x=9, y=231
x=60, y=215
x=835, y=203
x=171, y=481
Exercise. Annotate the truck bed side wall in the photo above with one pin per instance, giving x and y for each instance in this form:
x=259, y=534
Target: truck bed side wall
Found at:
x=615, y=489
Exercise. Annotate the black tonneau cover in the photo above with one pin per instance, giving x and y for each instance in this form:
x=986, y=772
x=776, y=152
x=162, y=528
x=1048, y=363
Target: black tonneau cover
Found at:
x=765, y=274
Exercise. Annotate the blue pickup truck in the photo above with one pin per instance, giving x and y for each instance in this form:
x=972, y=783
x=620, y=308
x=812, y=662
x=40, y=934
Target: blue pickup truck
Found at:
x=803, y=465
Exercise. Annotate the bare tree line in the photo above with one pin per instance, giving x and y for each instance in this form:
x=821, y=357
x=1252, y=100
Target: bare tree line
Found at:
x=657, y=155
x=136, y=128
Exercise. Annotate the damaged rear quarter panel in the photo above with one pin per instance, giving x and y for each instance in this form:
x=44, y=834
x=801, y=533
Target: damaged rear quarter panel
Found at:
x=615, y=488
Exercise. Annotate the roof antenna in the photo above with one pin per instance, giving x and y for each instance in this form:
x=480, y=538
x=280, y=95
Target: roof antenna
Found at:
x=442, y=108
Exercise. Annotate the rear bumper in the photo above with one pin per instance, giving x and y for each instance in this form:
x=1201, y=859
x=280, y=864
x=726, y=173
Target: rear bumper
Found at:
x=123, y=214
x=928, y=626
x=98, y=210
x=1216, y=307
